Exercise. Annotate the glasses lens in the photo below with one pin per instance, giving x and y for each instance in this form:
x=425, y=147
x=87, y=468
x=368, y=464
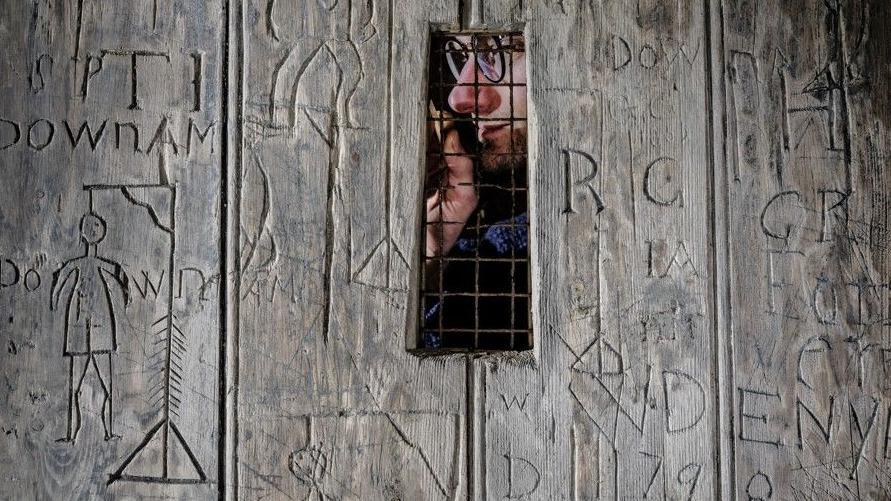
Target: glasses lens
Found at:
x=490, y=57
x=456, y=56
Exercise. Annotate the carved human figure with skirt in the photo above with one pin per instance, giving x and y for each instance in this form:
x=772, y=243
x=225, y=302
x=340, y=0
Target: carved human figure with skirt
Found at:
x=85, y=285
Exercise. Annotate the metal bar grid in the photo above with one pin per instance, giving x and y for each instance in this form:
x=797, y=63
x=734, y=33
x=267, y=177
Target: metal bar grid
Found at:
x=475, y=289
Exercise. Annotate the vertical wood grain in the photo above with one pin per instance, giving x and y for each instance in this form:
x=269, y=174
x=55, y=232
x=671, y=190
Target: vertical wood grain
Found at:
x=114, y=110
x=807, y=201
x=331, y=404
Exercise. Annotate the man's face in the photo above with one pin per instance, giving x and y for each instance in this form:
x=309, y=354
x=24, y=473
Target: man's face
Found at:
x=496, y=99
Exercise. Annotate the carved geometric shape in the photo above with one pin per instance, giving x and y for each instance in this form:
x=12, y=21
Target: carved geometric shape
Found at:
x=346, y=453
x=385, y=257
x=164, y=441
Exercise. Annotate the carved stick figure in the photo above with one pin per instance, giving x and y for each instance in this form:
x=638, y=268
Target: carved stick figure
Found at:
x=90, y=323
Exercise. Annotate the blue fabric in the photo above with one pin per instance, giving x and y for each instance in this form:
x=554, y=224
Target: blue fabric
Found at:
x=502, y=236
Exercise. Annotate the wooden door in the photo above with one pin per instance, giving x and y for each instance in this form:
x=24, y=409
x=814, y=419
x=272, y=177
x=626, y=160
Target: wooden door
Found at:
x=210, y=241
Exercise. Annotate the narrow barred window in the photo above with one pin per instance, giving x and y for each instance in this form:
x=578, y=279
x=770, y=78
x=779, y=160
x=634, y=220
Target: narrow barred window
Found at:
x=475, y=279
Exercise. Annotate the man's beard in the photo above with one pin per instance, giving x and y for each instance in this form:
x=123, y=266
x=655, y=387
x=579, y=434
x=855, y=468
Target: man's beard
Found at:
x=501, y=171
x=500, y=155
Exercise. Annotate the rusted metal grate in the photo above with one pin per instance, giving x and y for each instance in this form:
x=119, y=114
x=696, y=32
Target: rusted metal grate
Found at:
x=475, y=279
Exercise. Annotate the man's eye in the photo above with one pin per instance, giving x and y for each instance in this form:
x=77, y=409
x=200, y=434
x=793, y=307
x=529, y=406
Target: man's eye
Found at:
x=493, y=65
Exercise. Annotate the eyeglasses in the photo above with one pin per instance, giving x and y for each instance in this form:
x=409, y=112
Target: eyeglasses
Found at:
x=488, y=50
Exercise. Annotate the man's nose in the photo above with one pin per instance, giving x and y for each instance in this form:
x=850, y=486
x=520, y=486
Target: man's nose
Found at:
x=466, y=97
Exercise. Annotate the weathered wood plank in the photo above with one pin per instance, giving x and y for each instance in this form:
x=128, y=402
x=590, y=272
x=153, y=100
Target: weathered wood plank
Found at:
x=109, y=231
x=808, y=267
x=330, y=401
x=618, y=399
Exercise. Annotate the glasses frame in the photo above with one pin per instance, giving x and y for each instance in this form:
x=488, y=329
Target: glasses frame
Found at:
x=488, y=70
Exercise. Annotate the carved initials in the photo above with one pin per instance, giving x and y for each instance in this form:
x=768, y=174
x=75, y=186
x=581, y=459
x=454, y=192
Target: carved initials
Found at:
x=586, y=182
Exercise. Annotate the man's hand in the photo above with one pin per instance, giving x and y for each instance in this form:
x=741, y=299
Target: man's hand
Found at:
x=449, y=208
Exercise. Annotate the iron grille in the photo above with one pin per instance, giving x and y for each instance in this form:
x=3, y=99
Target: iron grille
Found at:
x=475, y=279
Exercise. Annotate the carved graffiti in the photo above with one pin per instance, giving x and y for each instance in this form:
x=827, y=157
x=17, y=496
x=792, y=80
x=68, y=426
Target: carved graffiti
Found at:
x=759, y=487
x=678, y=259
x=665, y=52
x=663, y=169
x=342, y=453
x=285, y=103
x=752, y=427
x=523, y=476
x=90, y=338
x=90, y=327
x=571, y=184
x=119, y=135
x=309, y=465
